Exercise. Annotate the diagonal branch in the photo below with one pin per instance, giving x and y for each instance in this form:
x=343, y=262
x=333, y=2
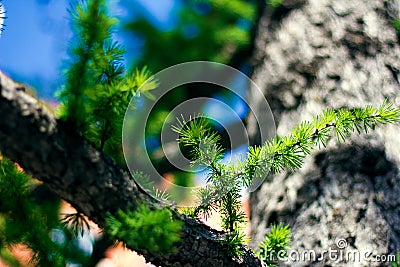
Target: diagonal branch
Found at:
x=31, y=136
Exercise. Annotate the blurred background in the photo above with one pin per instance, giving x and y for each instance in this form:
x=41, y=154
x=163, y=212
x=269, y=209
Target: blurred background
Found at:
x=34, y=44
x=156, y=34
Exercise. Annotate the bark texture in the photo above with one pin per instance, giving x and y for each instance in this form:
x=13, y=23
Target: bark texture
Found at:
x=319, y=54
x=31, y=136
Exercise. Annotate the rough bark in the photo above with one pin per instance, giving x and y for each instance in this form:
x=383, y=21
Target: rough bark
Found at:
x=318, y=54
x=76, y=171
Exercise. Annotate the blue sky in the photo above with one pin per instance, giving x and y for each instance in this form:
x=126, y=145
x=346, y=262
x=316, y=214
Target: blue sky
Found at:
x=33, y=41
x=33, y=44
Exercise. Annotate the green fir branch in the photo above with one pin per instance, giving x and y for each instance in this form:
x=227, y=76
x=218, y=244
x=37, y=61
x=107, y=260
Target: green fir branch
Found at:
x=275, y=245
x=232, y=242
x=76, y=222
x=225, y=181
x=27, y=220
x=222, y=193
x=98, y=89
x=290, y=151
x=154, y=231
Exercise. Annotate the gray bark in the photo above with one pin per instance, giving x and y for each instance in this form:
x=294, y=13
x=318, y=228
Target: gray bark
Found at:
x=319, y=54
x=76, y=171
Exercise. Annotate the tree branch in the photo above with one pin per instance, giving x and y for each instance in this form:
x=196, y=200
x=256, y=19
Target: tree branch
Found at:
x=79, y=173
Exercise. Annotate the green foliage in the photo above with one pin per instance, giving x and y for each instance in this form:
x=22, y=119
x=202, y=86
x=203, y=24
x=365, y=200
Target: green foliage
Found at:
x=275, y=245
x=222, y=193
x=77, y=223
x=26, y=219
x=289, y=151
x=148, y=185
x=206, y=30
x=232, y=242
x=396, y=24
x=274, y=3
x=214, y=30
x=202, y=142
x=94, y=99
x=154, y=231
x=7, y=257
x=397, y=262
x=225, y=181
x=233, y=218
x=98, y=89
x=92, y=27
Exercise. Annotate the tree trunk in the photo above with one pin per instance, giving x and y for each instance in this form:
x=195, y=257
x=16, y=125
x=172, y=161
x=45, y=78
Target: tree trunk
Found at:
x=319, y=54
